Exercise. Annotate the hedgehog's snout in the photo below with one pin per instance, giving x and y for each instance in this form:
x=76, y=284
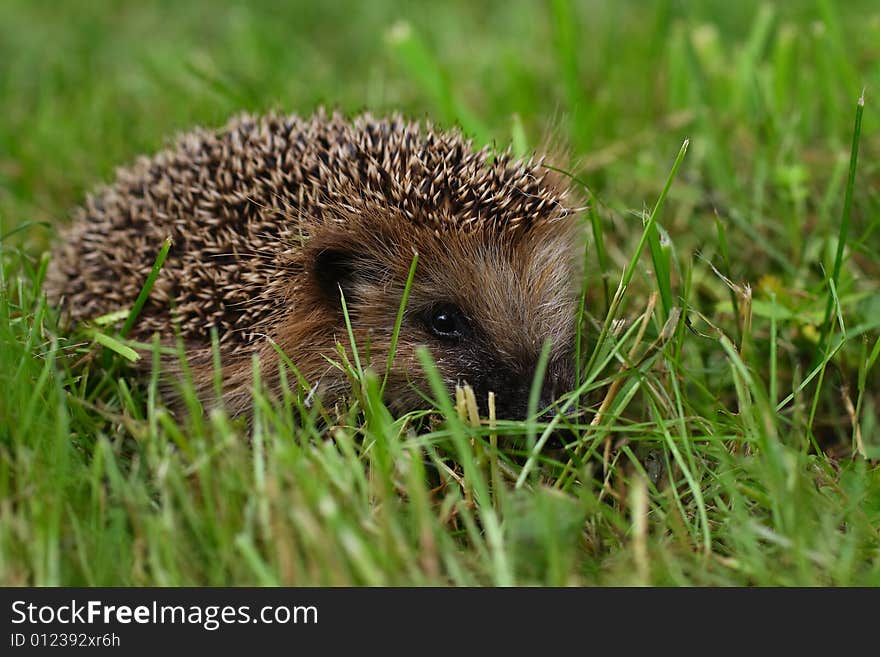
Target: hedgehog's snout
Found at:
x=513, y=389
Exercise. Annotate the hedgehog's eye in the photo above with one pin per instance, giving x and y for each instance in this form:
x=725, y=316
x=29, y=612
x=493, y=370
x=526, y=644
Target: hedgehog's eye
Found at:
x=446, y=321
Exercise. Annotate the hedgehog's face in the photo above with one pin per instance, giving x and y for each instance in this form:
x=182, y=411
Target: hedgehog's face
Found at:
x=483, y=306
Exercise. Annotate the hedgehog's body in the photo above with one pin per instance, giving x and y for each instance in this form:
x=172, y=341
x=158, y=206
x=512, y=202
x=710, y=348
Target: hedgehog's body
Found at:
x=271, y=216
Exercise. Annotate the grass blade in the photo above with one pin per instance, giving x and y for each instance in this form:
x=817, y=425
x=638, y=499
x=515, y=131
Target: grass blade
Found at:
x=630, y=270
x=147, y=288
x=844, y=222
x=395, y=335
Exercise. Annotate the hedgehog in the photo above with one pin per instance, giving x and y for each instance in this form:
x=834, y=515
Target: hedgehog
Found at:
x=276, y=221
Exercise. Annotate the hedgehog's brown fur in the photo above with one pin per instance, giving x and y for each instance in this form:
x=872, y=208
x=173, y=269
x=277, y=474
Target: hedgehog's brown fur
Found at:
x=271, y=216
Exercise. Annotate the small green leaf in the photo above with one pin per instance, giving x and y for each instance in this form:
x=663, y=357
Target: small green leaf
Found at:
x=116, y=346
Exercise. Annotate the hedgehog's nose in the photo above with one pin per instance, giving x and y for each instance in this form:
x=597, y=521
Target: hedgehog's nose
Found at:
x=548, y=409
x=513, y=394
x=546, y=402
x=558, y=381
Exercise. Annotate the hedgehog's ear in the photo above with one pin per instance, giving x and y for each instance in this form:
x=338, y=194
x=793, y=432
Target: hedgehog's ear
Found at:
x=336, y=269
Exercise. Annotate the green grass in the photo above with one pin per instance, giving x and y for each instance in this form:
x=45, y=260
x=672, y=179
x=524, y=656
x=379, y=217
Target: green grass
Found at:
x=728, y=391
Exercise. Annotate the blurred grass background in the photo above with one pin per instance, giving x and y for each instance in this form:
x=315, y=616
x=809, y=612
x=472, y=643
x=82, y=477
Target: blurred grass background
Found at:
x=766, y=93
